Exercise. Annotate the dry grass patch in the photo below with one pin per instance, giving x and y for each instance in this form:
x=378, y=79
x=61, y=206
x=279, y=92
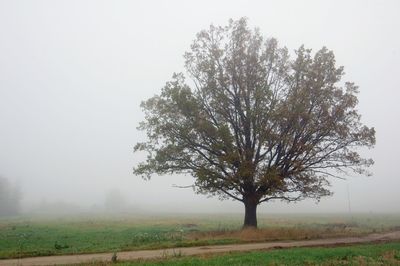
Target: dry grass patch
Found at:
x=272, y=234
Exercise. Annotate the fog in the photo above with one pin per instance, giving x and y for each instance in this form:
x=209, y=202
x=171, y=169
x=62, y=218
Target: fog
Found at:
x=73, y=74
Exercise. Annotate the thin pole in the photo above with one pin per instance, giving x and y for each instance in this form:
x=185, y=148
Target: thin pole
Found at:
x=348, y=198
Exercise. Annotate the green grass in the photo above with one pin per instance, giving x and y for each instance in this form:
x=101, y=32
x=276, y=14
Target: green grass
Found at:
x=370, y=254
x=28, y=236
x=22, y=237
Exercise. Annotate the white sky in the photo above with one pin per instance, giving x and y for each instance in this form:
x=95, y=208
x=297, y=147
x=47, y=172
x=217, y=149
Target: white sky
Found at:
x=73, y=73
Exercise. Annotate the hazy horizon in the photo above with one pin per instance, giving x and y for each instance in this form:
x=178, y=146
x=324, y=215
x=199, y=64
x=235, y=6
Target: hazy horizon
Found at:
x=73, y=74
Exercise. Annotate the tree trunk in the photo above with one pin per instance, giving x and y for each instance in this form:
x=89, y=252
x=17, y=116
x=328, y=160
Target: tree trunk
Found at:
x=250, y=214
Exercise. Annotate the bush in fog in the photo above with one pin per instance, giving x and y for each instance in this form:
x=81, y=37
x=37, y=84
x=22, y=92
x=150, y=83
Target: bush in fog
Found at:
x=10, y=197
x=115, y=201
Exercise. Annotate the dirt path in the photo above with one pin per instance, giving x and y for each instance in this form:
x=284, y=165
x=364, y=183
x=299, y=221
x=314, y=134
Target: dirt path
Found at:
x=152, y=254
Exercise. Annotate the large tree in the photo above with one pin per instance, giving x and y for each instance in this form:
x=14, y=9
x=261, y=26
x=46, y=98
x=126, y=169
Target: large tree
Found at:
x=254, y=124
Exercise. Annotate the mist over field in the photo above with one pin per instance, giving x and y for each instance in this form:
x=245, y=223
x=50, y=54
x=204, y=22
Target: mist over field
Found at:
x=73, y=75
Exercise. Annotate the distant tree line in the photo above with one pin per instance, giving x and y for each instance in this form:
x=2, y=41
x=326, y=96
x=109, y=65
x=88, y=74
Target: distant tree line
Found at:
x=10, y=198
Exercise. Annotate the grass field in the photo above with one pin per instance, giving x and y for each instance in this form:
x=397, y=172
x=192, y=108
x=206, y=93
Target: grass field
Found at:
x=29, y=236
x=370, y=254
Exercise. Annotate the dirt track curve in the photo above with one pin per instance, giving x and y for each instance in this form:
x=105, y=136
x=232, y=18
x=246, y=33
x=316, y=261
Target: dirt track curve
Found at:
x=153, y=254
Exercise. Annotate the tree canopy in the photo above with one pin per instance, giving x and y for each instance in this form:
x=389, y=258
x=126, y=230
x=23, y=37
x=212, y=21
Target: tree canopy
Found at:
x=255, y=123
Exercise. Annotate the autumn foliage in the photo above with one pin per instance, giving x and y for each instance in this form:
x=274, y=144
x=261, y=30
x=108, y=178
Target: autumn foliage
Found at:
x=255, y=123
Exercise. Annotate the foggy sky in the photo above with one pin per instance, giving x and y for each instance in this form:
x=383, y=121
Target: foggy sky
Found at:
x=73, y=74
